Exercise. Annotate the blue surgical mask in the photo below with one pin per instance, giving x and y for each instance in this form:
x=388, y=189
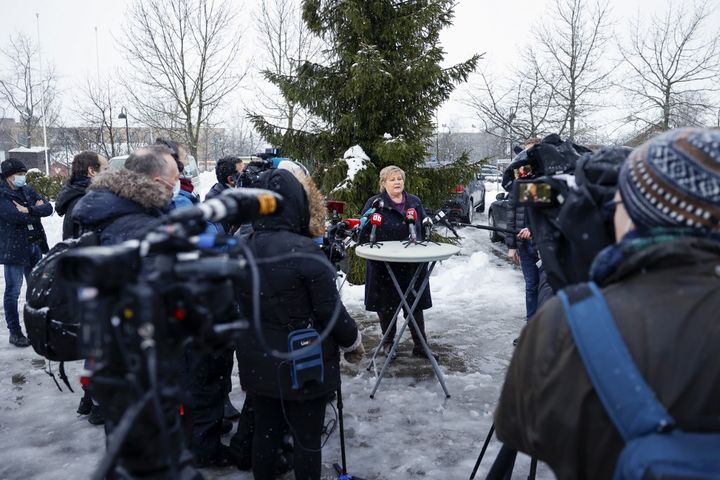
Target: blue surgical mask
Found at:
x=19, y=180
x=176, y=188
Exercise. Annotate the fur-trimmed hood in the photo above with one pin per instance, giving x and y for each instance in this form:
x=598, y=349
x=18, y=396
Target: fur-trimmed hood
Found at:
x=132, y=186
x=118, y=193
x=304, y=205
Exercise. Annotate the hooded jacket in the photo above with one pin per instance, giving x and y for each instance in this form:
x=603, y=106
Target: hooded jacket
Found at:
x=380, y=293
x=18, y=231
x=295, y=292
x=665, y=302
x=68, y=197
x=122, y=204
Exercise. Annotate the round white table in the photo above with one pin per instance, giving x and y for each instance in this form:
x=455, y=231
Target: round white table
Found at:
x=422, y=254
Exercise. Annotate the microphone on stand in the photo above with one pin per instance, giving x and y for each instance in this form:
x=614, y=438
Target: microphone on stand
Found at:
x=427, y=224
x=376, y=220
x=378, y=204
x=410, y=219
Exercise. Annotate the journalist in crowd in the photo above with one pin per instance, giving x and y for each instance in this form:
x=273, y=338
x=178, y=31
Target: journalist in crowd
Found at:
x=85, y=166
x=661, y=282
x=22, y=238
x=295, y=293
x=380, y=293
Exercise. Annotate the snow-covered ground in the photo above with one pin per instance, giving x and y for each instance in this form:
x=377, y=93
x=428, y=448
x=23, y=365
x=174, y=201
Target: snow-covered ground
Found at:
x=410, y=430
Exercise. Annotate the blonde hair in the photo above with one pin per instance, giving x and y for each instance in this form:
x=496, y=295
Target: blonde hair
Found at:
x=385, y=174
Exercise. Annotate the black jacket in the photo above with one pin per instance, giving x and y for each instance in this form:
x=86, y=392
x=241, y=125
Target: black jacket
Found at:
x=65, y=203
x=516, y=221
x=123, y=204
x=380, y=293
x=216, y=190
x=293, y=291
x=18, y=231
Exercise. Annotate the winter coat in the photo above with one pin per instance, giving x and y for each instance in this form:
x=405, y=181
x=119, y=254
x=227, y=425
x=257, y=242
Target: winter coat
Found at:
x=665, y=301
x=293, y=292
x=216, y=190
x=123, y=204
x=380, y=293
x=65, y=203
x=516, y=221
x=19, y=231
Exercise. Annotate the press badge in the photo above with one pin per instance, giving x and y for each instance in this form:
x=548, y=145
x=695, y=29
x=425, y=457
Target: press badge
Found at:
x=30, y=227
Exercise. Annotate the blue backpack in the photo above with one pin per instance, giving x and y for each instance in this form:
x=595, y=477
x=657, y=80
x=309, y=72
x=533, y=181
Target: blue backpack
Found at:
x=655, y=448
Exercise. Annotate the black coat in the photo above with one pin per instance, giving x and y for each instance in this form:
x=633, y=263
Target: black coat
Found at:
x=65, y=203
x=18, y=231
x=293, y=292
x=380, y=293
x=123, y=204
x=516, y=221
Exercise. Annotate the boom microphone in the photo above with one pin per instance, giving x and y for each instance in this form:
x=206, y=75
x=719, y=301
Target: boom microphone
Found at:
x=410, y=219
x=441, y=218
x=377, y=204
x=376, y=220
x=427, y=224
x=350, y=223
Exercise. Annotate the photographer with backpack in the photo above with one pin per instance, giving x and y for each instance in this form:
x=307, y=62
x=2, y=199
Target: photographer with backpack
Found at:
x=582, y=407
x=22, y=238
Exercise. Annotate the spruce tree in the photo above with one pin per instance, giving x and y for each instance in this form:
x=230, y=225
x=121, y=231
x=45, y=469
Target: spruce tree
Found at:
x=383, y=76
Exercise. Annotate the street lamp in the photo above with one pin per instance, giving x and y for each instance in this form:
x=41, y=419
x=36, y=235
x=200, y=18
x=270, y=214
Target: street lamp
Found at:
x=124, y=115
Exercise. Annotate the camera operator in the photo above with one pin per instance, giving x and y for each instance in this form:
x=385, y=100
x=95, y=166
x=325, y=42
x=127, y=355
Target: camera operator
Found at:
x=294, y=293
x=661, y=281
x=521, y=249
x=226, y=170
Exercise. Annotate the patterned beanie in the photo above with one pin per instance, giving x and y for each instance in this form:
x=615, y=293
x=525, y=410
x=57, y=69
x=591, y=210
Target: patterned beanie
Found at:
x=673, y=180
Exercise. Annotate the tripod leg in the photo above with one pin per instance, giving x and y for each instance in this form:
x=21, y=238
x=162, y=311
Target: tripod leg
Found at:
x=482, y=451
x=533, y=468
x=342, y=430
x=503, y=465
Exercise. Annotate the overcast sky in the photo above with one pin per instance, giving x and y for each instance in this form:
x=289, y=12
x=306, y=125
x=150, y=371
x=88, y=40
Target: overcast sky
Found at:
x=498, y=28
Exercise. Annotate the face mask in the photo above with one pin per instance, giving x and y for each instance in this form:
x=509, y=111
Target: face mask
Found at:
x=176, y=188
x=19, y=180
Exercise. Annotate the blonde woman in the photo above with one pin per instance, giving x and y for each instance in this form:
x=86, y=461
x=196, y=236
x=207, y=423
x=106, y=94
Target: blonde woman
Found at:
x=380, y=293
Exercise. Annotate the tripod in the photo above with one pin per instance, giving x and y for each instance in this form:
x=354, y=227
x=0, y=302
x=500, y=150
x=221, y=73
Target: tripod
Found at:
x=342, y=471
x=504, y=463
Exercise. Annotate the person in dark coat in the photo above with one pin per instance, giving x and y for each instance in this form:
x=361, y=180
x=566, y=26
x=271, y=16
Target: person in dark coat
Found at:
x=661, y=281
x=22, y=238
x=294, y=293
x=380, y=293
x=226, y=170
x=84, y=167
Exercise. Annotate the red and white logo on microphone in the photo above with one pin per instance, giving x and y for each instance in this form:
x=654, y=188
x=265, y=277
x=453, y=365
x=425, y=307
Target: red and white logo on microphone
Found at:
x=376, y=219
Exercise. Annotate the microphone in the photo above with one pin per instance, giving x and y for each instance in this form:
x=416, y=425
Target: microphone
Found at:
x=235, y=205
x=441, y=218
x=350, y=223
x=427, y=224
x=377, y=204
x=410, y=219
x=376, y=220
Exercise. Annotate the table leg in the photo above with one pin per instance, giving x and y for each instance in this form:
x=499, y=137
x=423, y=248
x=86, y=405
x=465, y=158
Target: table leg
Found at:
x=411, y=319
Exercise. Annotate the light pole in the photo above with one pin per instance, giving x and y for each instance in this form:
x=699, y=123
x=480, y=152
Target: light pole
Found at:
x=123, y=115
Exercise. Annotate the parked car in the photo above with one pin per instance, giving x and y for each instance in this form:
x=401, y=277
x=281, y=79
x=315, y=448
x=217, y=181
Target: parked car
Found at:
x=191, y=169
x=466, y=200
x=498, y=215
x=490, y=174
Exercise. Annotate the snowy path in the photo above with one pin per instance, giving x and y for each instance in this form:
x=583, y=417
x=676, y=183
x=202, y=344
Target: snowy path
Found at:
x=408, y=431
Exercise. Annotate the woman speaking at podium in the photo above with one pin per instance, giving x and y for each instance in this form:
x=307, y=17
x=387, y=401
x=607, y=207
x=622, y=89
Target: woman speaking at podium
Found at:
x=380, y=293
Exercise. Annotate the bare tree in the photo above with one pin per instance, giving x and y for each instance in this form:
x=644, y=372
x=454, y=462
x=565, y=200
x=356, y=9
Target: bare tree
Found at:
x=22, y=87
x=574, y=42
x=673, y=68
x=97, y=108
x=240, y=136
x=519, y=108
x=182, y=63
x=287, y=44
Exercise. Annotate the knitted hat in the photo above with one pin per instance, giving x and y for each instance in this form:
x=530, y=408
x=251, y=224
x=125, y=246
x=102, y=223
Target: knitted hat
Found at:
x=673, y=180
x=11, y=166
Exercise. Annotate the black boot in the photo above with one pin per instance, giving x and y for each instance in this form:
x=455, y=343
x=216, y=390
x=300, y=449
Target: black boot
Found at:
x=19, y=340
x=231, y=413
x=85, y=404
x=96, y=417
